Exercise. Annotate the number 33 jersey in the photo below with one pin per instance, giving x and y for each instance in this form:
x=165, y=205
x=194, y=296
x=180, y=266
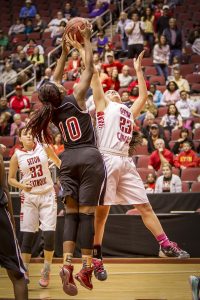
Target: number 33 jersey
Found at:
x=114, y=128
x=34, y=169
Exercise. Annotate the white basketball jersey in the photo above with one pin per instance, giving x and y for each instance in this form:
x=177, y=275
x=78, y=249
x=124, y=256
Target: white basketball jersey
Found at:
x=114, y=128
x=34, y=169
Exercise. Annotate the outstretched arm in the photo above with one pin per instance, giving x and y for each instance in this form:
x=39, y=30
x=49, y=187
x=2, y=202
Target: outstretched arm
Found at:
x=139, y=103
x=52, y=155
x=84, y=83
x=58, y=73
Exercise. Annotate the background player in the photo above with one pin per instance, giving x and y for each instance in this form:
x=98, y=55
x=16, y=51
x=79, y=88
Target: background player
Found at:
x=82, y=172
x=10, y=256
x=38, y=199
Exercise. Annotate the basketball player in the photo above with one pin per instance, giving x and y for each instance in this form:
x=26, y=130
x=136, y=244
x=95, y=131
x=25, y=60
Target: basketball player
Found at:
x=38, y=199
x=114, y=123
x=195, y=287
x=10, y=256
x=82, y=172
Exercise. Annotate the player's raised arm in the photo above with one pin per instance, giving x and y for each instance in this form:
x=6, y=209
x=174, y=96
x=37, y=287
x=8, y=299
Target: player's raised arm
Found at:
x=140, y=102
x=81, y=88
x=52, y=155
x=58, y=73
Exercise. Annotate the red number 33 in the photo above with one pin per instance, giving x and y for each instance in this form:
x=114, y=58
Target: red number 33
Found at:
x=125, y=125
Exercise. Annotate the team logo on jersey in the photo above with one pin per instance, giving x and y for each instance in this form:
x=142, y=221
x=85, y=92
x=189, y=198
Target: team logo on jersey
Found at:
x=100, y=119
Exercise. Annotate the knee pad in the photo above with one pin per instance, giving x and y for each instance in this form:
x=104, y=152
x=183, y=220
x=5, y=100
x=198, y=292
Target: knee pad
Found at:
x=86, y=227
x=27, y=242
x=49, y=240
x=71, y=227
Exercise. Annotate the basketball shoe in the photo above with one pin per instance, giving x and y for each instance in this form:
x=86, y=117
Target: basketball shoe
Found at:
x=45, y=277
x=99, y=270
x=85, y=278
x=195, y=285
x=69, y=286
x=173, y=251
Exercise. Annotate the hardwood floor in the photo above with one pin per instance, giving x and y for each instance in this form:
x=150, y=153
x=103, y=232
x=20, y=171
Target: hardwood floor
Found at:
x=127, y=281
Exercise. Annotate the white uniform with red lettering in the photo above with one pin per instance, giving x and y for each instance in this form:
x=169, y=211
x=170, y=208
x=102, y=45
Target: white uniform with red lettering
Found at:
x=114, y=133
x=38, y=205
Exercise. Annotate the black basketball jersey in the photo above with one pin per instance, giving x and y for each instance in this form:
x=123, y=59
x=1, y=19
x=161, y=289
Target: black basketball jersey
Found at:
x=75, y=124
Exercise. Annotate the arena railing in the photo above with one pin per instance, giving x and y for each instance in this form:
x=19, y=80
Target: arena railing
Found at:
x=108, y=22
x=24, y=84
x=15, y=191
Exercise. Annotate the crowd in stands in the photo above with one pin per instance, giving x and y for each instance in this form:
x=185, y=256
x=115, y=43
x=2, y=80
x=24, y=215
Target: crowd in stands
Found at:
x=170, y=120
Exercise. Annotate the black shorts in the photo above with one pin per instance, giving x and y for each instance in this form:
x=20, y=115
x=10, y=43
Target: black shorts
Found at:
x=10, y=255
x=83, y=175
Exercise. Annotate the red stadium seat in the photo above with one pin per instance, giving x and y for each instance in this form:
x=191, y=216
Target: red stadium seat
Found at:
x=161, y=88
x=197, y=134
x=195, y=188
x=143, y=161
x=187, y=69
x=158, y=80
x=195, y=59
x=8, y=141
x=149, y=71
x=190, y=174
x=185, y=187
x=141, y=150
x=193, y=78
x=195, y=88
x=147, y=61
x=144, y=172
x=34, y=35
x=128, y=62
x=162, y=111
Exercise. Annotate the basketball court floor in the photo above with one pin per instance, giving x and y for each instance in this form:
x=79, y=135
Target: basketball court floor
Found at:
x=129, y=279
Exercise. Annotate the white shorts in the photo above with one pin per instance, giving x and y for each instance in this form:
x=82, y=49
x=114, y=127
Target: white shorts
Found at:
x=124, y=184
x=37, y=209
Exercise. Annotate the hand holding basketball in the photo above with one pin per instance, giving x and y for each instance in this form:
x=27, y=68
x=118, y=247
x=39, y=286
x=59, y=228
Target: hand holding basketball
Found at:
x=80, y=28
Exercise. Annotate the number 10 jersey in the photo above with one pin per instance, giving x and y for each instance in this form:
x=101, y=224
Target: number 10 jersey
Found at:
x=114, y=128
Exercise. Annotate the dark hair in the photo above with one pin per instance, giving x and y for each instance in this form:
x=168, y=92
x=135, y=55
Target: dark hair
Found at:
x=159, y=42
x=50, y=97
x=136, y=140
x=145, y=17
x=184, y=130
x=176, y=86
x=176, y=113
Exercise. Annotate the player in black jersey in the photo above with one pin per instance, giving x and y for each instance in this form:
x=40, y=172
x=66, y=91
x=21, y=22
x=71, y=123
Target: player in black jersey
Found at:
x=82, y=172
x=10, y=256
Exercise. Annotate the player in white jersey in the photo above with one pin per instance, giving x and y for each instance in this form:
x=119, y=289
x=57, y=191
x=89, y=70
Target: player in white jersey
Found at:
x=38, y=199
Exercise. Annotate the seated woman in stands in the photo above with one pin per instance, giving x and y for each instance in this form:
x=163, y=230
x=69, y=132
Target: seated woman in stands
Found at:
x=171, y=95
x=172, y=120
x=168, y=182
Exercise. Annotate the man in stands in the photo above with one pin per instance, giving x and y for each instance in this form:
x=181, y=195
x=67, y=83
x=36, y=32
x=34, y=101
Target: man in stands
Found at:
x=112, y=63
x=28, y=11
x=19, y=102
x=182, y=83
x=124, y=77
x=187, y=158
x=160, y=156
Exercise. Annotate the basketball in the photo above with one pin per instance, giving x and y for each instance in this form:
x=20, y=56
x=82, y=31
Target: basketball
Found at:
x=72, y=27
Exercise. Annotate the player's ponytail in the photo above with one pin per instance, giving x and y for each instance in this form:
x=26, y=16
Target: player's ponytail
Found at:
x=50, y=96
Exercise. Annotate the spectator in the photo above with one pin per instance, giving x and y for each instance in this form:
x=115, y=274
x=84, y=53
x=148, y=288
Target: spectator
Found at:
x=115, y=84
x=184, y=137
x=3, y=42
x=174, y=38
x=150, y=106
x=154, y=135
x=100, y=7
x=194, y=33
x=4, y=124
x=163, y=21
x=157, y=95
x=150, y=183
x=16, y=28
x=181, y=82
x=39, y=25
x=38, y=60
x=168, y=182
x=160, y=156
x=21, y=63
x=135, y=83
x=112, y=63
x=4, y=108
x=171, y=95
x=172, y=120
x=196, y=45
x=54, y=23
x=28, y=26
x=58, y=144
x=48, y=76
x=120, y=29
x=175, y=65
x=8, y=75
x=149, y=120
x=73, y=65
x=187, y=158
x=124, y=77
x=15, y=54
x=29, y=48
x=18, y=124
x=138, y=8
x=107, y=51
x=185, y=107
x=97, y=61
x=28, y=11
x=134, y=93
x=125, y=97
x=148, y=20
x=196, y=109
x=19, y=102
x=57, y=33
x=102, y=40
x=69, y=11
x=161, y=52
x=135, y=33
